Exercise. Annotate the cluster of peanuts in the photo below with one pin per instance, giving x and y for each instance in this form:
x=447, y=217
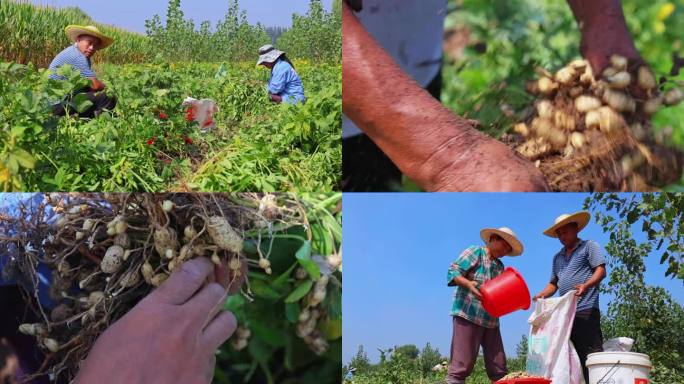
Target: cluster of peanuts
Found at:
x=307, y=326
x=77, y=228
x=572, y=103
x=520, y=375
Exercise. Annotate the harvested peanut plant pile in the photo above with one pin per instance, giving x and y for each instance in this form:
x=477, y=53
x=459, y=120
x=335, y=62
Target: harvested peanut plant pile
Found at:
x=592, y=133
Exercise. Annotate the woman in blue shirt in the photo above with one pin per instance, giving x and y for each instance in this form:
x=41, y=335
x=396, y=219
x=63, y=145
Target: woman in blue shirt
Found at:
x=285, y=85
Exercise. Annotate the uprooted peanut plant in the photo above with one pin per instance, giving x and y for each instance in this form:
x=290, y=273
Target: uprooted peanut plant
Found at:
x=105, y=252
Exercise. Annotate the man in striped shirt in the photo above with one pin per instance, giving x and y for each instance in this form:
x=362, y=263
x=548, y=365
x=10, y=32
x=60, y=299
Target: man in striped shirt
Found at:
x=578, y=266
x=87, y=41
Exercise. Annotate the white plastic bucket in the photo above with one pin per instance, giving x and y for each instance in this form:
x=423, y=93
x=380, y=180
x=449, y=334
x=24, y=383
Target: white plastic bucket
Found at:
x=618, y=368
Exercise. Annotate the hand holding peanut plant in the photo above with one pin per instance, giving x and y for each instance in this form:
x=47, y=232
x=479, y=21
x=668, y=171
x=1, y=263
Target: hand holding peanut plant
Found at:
x=170, y=336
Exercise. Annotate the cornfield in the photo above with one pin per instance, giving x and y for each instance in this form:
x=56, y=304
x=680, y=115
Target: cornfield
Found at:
x=35, y=34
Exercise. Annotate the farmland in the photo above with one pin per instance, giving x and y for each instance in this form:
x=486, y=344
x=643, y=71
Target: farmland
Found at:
x=146, y=143
x=407, y=364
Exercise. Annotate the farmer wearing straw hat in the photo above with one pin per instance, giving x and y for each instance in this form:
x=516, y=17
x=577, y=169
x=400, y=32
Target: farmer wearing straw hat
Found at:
x=472, y=325
x=285, y=85
x=578, y=266
x=87, y=40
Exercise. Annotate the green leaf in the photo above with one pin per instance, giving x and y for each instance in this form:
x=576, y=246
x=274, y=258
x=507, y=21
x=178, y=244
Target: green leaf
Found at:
x=259, y=350
x=271, y=335
x=23, y=158
x=18, y=130
x=234, y=303
x=299, y=292
x=332, y=328
x=281, y=280
x=292, y=311
x=303, y=255
x=161, y=92
x=262, y=289
x=632, y=216
x=250, y=247
x=664, y=257
x=81, y=103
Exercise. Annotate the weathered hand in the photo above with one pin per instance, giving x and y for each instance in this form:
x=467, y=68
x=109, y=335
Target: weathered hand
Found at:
x=486, y=165
x=597, y=47
x=581, y=290
x=538, y=296
x=472, y=287
x=170, y=336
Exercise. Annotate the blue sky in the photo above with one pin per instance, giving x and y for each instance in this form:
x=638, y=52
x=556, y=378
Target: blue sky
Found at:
x=131, y=14
x=397, y=248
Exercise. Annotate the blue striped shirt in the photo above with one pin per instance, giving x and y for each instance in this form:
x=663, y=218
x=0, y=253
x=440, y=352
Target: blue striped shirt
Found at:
x=570, y=271
x=286, y=82
x=71, y=55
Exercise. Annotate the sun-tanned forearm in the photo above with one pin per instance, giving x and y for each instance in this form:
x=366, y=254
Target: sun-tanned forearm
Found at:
x=548, y=291
x=96, y=85
x=411, y=127
x=596, y=277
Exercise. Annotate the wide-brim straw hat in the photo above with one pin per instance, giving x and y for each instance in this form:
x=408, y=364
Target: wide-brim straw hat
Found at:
x=507, y=234
x=74, y=31
x=268, y=54
x=581, y=218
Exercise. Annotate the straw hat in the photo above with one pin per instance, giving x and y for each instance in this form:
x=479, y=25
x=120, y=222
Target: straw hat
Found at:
x=506, y=234
x=581, y=218
x=74, y=31
x=268, y=54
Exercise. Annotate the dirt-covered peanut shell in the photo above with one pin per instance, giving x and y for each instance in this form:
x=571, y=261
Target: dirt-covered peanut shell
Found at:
x=122, y=240
x=112, y=260
x=646, y=79
x=158, y=279
x=223, y=235
x=165, y=238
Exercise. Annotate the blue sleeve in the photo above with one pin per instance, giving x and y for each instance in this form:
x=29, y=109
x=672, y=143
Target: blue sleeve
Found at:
x=279, y=79
x=84, y=66
x=554, y=275
x=594, y=256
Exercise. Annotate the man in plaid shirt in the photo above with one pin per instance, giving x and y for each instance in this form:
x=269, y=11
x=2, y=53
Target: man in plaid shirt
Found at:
x=473, y=326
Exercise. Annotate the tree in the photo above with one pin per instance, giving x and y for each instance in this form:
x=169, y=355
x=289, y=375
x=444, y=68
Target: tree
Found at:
x=316, y=35
x=653, y=319
x=661, y=216
x=645, y=313
x=429, y=357
x=275, y=32
x=409, y=351
x=383, y=354
x=360, y=361
x=521, y=348
x=233, y=39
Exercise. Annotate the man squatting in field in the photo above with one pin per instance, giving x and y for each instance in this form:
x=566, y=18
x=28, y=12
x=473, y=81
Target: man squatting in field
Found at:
x=87, y=41
x=392, y=50
x=579, y=265
x=284, y=85
x=472, y=325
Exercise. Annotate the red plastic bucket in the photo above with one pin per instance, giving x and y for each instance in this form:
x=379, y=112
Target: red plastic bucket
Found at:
x=505, y=293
